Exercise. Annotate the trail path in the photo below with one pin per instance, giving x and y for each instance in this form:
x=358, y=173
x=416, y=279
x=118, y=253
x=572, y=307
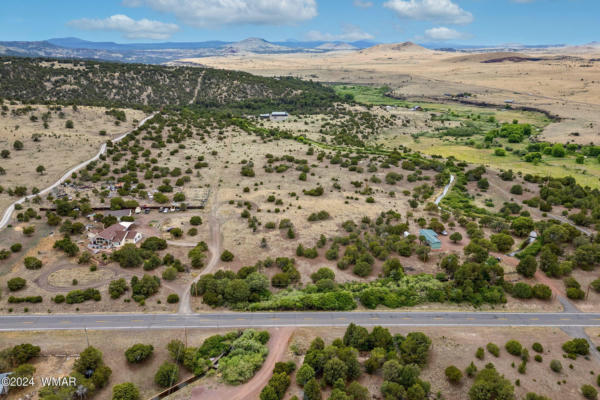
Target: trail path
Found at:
x=214, y=244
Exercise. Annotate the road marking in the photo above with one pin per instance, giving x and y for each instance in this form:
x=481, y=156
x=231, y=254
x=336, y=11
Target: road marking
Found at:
x=374, y=318
x=503, y=319
x=565, y=319
x=533, y=319
x=101, y=322
x=470, y=319
x=28, y=322
x=406, y=318
x=65, y=322
x=173, y=320
x=341, y=318
x=136, y=320
x=438, y=318
x=308, y=318
x=240, y=319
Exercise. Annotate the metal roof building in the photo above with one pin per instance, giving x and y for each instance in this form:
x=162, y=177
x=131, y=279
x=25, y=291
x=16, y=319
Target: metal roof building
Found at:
x=432, y=238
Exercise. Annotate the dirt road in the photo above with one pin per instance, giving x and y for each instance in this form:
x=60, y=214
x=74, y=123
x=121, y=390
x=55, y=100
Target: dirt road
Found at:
x=214, y=244
x=278, y=345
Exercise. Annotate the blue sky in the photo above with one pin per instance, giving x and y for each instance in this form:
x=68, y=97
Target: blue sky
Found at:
x=455, y=21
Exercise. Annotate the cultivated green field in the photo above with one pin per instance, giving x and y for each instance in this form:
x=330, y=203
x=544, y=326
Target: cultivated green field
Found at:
x=452, y=111
x=585, y=174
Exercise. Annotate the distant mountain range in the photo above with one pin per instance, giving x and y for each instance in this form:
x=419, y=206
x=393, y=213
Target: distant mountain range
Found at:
x=158, y=53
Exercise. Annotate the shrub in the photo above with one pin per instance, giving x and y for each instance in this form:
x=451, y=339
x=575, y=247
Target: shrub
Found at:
x=117, y=287
x=79, y=296
x=167, y=375
x=16, y=247
x=169, y=274
x=125, y=391
x=16, y=284
x=172, y=298
x=522, y=290
x=196, y=220
x=247, y=357
x=138, y=352
x=479, y=353
x=589, y=392
x=305, y=373
x=537, y=347
x=154, y=243
x=516, y=189
x=493, y=349
x=59, y=298
x=542, y=292
x=226, y=256
x=513, y=347
x=527, y=266
x=575, y=294
x=577, y=346
x=22, y=353
x=453, y=374
x=471, y=370
x=32, y=263
x=556, y=366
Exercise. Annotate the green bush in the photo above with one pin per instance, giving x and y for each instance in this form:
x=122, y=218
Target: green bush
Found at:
x=226, y=256
x=513, y=347
x=167, y=375
x=453, y=374
x=125, y=391
x=32, y=263
x=537, y=347
x=306, y=373
x=247, y=357
x=479, y=353
x=556, y=366
x=79, y=296
x=589, y=392
x=117, y=287
x=138, y=352
x=16, y=284
x=493, y=349
x=577, y=346
x=172, y=298
x=575, y=294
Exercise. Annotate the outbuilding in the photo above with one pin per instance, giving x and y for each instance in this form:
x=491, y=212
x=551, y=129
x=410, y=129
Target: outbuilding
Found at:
x=279, y=116
x=431, y=238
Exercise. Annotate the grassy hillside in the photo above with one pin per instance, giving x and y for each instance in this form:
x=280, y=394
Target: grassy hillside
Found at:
x=138, y=85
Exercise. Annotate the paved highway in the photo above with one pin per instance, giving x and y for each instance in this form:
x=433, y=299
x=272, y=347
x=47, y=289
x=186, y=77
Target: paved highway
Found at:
x=297, y=319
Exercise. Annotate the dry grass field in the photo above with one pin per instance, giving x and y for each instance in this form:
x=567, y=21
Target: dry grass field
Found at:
x=563, y=82
x=56, y=148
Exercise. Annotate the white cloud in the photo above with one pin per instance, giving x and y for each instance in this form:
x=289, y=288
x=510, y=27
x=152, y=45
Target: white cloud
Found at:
x=441, y=11
x=363, y=4
x=212, y=13
x=442, y=33
x=350, y=33
x=128, y=27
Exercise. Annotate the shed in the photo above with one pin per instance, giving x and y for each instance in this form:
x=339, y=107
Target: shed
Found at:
x=4, y=388
x=432, y=238
x=279, y=115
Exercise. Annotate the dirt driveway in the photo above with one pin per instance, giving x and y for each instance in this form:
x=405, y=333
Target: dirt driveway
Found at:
x=278, y=345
